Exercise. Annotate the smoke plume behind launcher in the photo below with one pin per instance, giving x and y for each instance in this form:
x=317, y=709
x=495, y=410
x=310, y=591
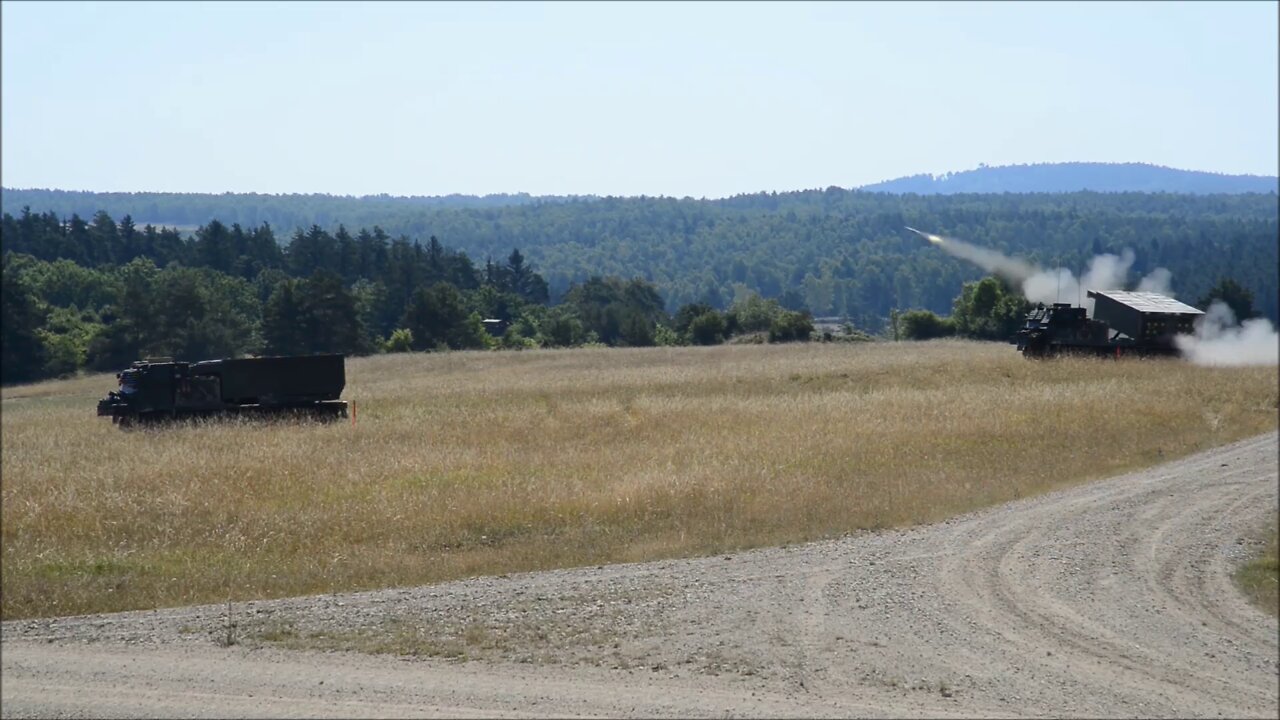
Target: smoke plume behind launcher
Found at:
x=1219, y=339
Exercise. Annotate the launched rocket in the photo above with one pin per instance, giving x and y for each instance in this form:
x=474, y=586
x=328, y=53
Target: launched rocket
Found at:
x=1010, y=268
x=927, y=236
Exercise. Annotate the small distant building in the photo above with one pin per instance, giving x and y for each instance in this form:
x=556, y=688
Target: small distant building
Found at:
x=495, y=327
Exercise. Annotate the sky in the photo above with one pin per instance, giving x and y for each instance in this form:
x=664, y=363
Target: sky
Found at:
x=673, y=99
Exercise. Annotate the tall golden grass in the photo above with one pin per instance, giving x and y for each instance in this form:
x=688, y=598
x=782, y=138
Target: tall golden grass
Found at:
x=475, y=463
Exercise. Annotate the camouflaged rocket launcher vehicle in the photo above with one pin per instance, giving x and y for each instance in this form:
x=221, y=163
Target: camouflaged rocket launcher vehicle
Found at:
x=1123, y=323
x=162, y=389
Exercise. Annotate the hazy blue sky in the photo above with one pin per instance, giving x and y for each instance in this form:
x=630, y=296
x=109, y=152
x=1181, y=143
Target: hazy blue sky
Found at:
x=705, y=100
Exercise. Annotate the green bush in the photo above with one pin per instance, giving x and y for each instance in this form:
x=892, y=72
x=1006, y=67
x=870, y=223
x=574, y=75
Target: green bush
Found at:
x=636, y=330
x=924, y=325
x=561, y=330
x=664, y=336
x=989, y=310
x=512, y=339
x=66, y=336
x=401, y=340
x=471, y=335
x=63, y=356
x=707, y=329
x=753, y=314
x=790, y=326
x=687, y=314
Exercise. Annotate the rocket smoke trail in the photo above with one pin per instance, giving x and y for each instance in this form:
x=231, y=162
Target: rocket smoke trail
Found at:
x=1011, y=269
x=1106, y=272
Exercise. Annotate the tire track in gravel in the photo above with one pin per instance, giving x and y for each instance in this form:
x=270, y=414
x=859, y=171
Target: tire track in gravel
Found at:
x=1202, y=595
x=1131, y=646
x=1074, y=643
x=814, y=639
x=1112, y=598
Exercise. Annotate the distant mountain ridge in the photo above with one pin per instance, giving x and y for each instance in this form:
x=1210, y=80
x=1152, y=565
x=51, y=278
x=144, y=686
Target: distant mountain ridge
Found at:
x=251, y=208
x=1077, y=176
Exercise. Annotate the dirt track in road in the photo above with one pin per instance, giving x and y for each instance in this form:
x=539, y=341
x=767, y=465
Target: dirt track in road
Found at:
x=1108, y=599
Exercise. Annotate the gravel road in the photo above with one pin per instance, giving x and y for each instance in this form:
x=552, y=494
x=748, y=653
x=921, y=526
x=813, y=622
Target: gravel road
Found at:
x=1109, y=599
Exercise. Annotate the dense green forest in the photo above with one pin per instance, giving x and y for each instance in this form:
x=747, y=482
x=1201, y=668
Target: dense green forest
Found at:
x=835, y=252
x=99, y=294
x=96, y=292
x=1071, y=177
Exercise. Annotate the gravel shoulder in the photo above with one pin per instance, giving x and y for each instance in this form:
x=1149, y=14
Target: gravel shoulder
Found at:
x=1109, y=599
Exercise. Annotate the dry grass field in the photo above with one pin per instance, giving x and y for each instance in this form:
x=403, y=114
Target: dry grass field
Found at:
x=477, y=463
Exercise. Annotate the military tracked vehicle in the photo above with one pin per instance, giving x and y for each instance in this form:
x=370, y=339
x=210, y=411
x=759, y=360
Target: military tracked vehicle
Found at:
x=1123, y=323
x=160, y=389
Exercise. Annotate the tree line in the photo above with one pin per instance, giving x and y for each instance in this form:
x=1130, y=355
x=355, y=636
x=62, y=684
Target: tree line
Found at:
x=836, y=252
x=100, y=294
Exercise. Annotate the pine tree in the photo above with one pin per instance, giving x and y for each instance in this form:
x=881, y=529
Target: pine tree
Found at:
x=21, y=352
x=282, y=329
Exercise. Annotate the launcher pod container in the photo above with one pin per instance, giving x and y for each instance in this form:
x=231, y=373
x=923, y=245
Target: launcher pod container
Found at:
x=1123, y=323
x=159, y=389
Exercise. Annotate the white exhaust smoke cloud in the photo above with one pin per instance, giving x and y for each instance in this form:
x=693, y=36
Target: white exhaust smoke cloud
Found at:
x=1106, y=272
x=1220, y=341
x=1158, y=281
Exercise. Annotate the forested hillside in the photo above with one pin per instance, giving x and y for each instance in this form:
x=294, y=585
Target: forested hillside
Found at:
x=99, y=292
x=103, y=293
x=1071, y=177
x=834, y=251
